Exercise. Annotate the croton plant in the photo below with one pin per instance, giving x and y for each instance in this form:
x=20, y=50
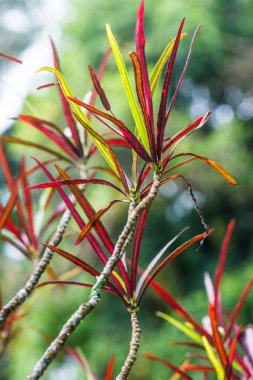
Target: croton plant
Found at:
x=71, y=166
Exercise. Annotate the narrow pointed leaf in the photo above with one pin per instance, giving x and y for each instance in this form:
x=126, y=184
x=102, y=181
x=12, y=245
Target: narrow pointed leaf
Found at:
x=58, y=138
x=8, y=208
x=171, y=257
x=10, y=58
x=5, y=166
x=214, y=165
x=239, y=306
x=186, y=330
x=169, y=365
x=89, y=211
x=175, y=140
x=99, y=228
x=15, y=140
x=109, y=370
x=140, y=42
x=183, y=73
x=128, y=89
x=142, y=101
x=63, y=195
x=66, y=107
x=140, y=226
x=28, y=203
x=113, y=160
x=161, y=118
x=80, y=181
x=7, y=239
x=179, y=309
x=217, y=337
x=156, y=73
x=94, y=220
x=229, y=368
x=75, y=260
x=99, y=89
x=99, y=77
x=214, y=361
x=96, y=138
x=155, y=260
x=128, y=135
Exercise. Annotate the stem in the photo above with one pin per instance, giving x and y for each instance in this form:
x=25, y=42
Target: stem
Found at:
x=133, y=349
x=96, y=292
x=40, y=268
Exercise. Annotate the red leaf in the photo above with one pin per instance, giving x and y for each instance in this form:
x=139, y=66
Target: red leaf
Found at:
x=75, y=260
x=94, y=220
x=183, y=73
x=239, y=306
x=229, y=368
x=109, y=370
x=58, y=138
x=99, y=89
x=141, y=98
x=10, y=58
x=63, y=195
x=112, y=142
x=28, y=203
x=168, y=259
x=46, y=85
x=99, y=227
x=140, y=42
x=80, y=181
x=123, y=130
x=154, y=261
x=8, y=208
x=5, y=167
x=216, y=336
x=7, y=239
x=180, y=310
x=198, y=123
x=221, y=265
x=168, y=364
x=66, y=107
x=99, y=76
x=161, y=118
x=16, y=140
x=140, y=226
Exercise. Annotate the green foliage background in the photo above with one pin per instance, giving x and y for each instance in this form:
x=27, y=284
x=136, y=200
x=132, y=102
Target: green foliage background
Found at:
x=219, y=77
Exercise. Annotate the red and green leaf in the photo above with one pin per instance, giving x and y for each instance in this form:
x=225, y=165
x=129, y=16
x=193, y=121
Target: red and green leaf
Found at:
x=142, y=101
x=161, y=118
x=66, y=107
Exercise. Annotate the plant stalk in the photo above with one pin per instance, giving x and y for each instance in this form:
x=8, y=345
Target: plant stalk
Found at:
x=133, y=349
x=96, y=292
x=41, y=266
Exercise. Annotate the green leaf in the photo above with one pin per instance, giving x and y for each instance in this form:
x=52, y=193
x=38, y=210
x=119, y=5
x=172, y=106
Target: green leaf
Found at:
x=96, y=138
x=155, y=75
x=129, y=91
x=211, y=356
x=187, y=330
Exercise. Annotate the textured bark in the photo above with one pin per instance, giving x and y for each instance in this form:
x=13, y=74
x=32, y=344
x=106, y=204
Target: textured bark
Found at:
x=40, y=268
x=133, y=349
x=95, y=295
x=43, y=263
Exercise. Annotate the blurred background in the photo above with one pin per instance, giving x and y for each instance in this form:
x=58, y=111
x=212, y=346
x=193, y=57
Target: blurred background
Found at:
x=220, y=78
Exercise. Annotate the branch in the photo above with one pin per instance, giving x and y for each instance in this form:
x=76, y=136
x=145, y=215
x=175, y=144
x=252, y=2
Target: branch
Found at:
x=33, y=280
x=40, y=268
x=96, y=292
x=134, y=346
